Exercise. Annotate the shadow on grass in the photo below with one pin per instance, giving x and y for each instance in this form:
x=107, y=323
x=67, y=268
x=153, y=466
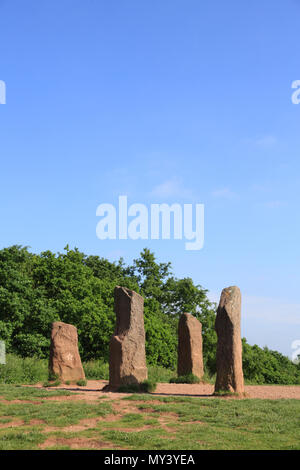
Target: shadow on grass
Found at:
x=183, y=395
x=73, y=389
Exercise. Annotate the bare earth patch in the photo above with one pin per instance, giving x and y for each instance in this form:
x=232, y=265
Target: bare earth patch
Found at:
x=11, y=424
x=273, y=392
x=10, y=402
x=75, y=443
x=93, y=390
x=83, y=425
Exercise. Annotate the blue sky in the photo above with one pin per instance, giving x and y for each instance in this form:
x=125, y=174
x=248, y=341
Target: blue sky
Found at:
x=162, y=101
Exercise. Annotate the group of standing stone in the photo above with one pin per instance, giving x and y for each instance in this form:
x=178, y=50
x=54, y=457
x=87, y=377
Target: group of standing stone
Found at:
x=127, y=356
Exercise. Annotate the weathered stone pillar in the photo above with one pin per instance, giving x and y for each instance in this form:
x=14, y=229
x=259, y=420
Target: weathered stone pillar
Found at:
x=190, y=359
x=229, y=348
x=127, y=356
x=65, y=362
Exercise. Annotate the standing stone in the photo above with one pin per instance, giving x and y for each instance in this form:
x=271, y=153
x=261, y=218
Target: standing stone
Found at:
x=190, y=360
x=65, y=362
x=229, y=348
x=127, y=356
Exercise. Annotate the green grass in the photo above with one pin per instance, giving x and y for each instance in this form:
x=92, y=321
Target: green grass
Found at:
x=218, y=424
x=96, y=370
x=159, y=374
x=16, y=440
x=17, y=392
x=143, y=421
x=148, y=386
x=56, y=383
x=185, y=379
x=144, y=387
x=81, y=383
x=27, y=370
x=53, y=413
x=227, y=393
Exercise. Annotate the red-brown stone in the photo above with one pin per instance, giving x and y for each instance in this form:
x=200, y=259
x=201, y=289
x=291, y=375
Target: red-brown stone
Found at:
x=229, y=347
x=127, y=361
x=65, y=362
x=190, y=359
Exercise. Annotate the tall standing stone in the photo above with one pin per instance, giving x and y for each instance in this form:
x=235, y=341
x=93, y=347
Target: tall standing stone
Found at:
x=190, y=359
x=127, y=356
x=229, y=347
x=65, y=362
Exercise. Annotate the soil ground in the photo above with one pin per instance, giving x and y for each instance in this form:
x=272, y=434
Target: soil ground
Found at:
x=93, y=390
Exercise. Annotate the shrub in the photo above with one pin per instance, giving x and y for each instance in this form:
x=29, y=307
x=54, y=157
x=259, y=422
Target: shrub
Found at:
x=55, y=383
x=144, y=387
x=81, y=383
x=185, y=379
x=129, y=388
x=148, y=386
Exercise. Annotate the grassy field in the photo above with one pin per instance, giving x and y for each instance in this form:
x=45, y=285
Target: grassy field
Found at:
x=32, y=418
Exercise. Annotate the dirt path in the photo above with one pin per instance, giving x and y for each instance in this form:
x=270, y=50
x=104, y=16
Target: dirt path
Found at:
x=93, y=391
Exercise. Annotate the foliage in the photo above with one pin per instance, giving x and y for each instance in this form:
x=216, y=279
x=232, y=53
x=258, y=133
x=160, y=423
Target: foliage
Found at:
x=270, y=367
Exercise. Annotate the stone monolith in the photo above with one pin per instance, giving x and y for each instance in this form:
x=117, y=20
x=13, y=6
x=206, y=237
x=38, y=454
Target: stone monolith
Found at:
x=229, y=347
x=65, y=362
x=190, y=359
x=127, y=356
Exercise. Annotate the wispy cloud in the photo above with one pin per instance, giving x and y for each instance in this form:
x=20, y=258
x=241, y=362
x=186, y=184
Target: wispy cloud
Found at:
x=171, y=188
x=223, y=193
x=266, y=141
x=263, y=187
x=273, y=204
x=267, y=190
x=263, y=141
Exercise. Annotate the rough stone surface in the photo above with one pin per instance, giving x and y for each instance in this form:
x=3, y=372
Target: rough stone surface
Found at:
x=65, y=361
x=127, y=357
x=229, y=347
x=190, y=359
